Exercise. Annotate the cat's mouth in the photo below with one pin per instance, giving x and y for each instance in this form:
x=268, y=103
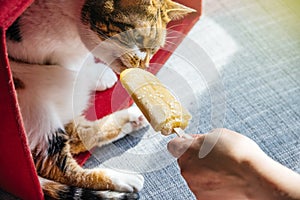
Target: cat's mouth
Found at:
x=118, y=66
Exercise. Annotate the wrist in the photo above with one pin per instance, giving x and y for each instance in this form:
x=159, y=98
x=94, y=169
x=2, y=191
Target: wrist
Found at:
x=273, y=179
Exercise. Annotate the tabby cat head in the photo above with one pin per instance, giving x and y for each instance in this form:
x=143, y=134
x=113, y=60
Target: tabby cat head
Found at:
x=138, y=27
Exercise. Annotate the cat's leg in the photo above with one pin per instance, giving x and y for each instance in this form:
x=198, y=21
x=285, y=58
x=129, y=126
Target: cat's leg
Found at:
x=56, y=190
x=86, y=134
x=57, y=163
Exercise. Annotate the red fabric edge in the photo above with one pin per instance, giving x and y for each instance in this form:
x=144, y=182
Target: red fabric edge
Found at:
x=18, y=174
x=10, y=10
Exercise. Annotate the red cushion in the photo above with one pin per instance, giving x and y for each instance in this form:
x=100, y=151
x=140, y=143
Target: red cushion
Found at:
x=17, y=172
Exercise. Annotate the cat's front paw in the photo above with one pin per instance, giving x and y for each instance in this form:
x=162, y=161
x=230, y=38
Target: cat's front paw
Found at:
x=136, y=120
x=124, y=181
x=107, y=79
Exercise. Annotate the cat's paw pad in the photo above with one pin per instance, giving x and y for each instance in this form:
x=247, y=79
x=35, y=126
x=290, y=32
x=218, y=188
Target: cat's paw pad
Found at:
x=107, y=79
x=124, y=181
x=136, y=120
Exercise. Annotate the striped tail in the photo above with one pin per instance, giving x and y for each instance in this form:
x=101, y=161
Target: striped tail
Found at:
x=54, y=190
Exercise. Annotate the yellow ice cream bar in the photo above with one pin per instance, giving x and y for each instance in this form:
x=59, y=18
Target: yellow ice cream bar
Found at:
x=163, y=111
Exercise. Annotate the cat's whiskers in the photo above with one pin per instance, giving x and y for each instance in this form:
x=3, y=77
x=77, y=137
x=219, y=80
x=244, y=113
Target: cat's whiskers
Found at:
x=170, y=37
x=176, y=25
x=169, y=42
x=173, y=33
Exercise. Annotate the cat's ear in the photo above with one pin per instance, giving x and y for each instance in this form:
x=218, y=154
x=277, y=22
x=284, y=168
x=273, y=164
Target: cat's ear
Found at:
x=177, y=11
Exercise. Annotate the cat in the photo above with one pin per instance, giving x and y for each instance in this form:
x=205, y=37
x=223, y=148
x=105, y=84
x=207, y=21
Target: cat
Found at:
x=48, y=45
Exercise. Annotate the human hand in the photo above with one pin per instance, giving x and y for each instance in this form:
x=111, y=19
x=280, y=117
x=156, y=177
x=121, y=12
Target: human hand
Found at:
x=235, y=168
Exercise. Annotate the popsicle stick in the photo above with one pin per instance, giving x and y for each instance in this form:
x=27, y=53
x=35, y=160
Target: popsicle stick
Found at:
x=180, y=133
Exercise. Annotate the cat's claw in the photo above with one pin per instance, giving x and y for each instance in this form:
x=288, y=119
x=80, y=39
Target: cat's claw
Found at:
x=125, y=181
